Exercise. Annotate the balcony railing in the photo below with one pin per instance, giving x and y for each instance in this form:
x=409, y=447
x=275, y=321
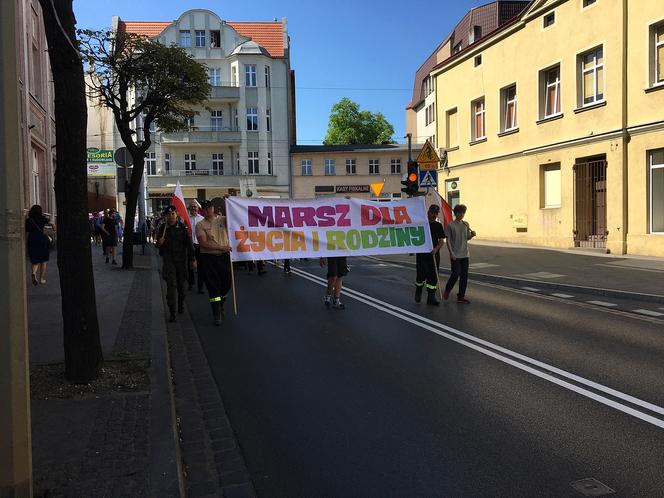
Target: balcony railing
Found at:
x=194, y=172
x=204, y=135
x=225, y=91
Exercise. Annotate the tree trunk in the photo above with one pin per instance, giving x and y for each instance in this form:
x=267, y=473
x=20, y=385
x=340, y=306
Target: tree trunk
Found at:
x=83, y=354
x=130, y=212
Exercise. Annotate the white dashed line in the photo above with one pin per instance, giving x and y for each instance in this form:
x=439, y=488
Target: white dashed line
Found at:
x=562, y=296
x=603, y=303
x=649, y=313
x=531, y=289
x=543, y=274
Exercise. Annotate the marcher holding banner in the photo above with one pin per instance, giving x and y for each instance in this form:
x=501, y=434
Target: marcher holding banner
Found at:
x=427, y=264
x=337, y=269
x=215, y=250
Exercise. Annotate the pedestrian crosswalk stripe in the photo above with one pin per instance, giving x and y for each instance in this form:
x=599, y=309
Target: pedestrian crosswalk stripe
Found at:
x=649, y=313
x=603, y=303
x=562, y=296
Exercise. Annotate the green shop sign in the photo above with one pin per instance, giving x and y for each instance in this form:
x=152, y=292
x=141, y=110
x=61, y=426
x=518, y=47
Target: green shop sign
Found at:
x=96, y=155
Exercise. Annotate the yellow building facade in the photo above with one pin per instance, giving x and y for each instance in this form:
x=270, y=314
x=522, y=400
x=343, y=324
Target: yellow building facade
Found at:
x=554, y=127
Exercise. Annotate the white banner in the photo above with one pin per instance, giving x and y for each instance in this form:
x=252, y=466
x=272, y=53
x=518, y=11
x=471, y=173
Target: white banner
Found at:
x=282, y=229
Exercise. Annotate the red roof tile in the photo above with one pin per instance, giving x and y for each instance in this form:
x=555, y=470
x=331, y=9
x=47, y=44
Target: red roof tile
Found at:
x=147, y=28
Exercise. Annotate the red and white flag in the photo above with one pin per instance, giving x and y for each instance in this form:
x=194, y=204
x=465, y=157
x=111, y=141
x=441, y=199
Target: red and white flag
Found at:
x=445, y=209
x=178, y=201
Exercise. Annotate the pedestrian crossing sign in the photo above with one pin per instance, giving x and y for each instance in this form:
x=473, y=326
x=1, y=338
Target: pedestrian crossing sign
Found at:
x=428, y=178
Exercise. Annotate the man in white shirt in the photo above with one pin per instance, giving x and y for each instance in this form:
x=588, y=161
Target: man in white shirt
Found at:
x=458, y=234
x=194, y=218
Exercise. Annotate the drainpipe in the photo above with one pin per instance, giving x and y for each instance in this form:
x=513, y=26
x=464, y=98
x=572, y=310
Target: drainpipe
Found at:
x=625, y=124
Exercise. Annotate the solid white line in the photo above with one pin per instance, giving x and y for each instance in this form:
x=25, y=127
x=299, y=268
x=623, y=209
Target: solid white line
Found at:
x=465, y=339
x=562, y=296
x=649, y=313
x=531, y=289
x=603, y=303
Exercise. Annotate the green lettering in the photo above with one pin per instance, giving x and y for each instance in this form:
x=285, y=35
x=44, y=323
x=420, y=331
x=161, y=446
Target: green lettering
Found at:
x=417, y=236
x=335, y=240
x=353, y=239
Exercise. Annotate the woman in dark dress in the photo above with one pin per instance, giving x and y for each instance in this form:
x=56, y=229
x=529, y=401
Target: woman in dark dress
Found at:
x=38, y=243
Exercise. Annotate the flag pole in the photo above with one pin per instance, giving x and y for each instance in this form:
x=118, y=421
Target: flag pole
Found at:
x=440, y=291
x=230, y=259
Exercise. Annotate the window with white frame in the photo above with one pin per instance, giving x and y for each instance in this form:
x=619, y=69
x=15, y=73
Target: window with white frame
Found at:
x=657, y=54
x=268, y=120
x=190, y=162
x=189, y=122
x=269, y=163
x=330, y=167
x=167, y=161
x=395, y=166
x=478, y=113
x=508, y=108
x=351, y=167
x=234, y=81
x=430, y=114
x=215, y=77
x=236, y=121
x=252, y=118
x=185, y=38
x=306, y=167
x=216, y=120
x=252, y=161
x=550, y=96
x=200, y=38
x=656, y=159
x=452, y=128
x=374, y=166
x=591, y=73
x=151, y=163
x=250, y=75
x=217, y=163
x=267, y=77
x=550, y=186
x=215, y=38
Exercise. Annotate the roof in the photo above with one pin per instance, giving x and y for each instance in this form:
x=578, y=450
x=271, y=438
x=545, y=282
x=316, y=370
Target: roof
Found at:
x=311, y=149
x=269, y=35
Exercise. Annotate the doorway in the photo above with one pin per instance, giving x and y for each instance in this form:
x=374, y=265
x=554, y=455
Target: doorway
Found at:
x=590, y=203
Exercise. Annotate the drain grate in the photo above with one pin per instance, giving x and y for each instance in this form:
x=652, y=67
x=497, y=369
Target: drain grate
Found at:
x=592, y=487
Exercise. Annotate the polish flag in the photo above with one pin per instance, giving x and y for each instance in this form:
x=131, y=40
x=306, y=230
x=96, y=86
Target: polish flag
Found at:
x=445, y=209
x=178, y=201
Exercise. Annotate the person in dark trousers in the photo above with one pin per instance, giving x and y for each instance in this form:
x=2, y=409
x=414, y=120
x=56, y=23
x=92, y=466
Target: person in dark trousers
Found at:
x=38, y=243
x=458, y=234
x=177, y=251
x=109, y=228
x=194, y=218
x=215, y=256
x=427, y=272
x=337, y=269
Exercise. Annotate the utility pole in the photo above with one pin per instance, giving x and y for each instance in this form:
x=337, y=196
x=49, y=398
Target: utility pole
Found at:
x=15, y=437
x=409, y=136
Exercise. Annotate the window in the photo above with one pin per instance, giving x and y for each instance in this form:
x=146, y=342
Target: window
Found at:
x=478, y=114
x=508, y=108
x=268, y=120
x=550, y=81
x=427, y=86
x=351, y=167
x=330, y=167
x=657, y=191
x=478, y=60
x=167, y=161
x=252, y=118
x=591, y=69
x=430, y=114
x=374, y=166
x=549, y=19
x=452, y=130
x=185, y=39
x=190, y=162
x=457, y=48
x=236, y=121
x=217, y=164
x=306, y=167
x=550, y=186
x=215, y=77
x=587, y=3
x=657, y=57
x=200, y=38
x=477, y=33
x=189, y=122
x=234, y=81
x=250, y=75
x=267, y=76
x=215, y=38
x=151, y=163
x=395, y=166
x=253, y=163
x=216, y=120
x=269, y=163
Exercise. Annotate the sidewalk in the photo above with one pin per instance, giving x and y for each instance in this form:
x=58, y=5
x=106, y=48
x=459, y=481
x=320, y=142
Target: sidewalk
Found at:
x=116, y=436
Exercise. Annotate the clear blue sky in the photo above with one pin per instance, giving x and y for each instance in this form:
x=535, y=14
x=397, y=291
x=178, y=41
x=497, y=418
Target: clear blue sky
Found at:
x=361, y=44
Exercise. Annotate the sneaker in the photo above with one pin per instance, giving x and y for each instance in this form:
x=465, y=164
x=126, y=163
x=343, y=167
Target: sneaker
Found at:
x=327, y=301
x=446, y=294
x=338, y=305
x=462, y=300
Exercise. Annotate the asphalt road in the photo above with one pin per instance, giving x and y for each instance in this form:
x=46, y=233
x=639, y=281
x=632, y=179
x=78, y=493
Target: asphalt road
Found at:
x=519, y=394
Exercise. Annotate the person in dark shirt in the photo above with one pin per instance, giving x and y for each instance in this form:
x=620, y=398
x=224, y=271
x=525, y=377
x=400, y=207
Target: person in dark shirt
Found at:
x=109, y=228
x=177, y=250
x=427, y=271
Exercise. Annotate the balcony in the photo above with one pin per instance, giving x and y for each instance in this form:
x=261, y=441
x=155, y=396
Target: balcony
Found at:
x=201, y=135
x=203, y=178
x=225, y=93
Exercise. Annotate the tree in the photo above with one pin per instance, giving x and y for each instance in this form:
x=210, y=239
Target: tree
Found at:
x=138, y=78
x=83, y=354
x=349, y=125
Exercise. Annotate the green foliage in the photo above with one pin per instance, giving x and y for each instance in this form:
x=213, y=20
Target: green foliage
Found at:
x=350, y=125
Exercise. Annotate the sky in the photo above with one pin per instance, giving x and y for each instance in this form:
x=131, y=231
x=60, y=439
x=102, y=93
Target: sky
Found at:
x=364, y=50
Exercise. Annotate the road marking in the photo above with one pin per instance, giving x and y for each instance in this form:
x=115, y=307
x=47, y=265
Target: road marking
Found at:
x=562, y=296
x=542, y=274
x=500, y=353
x=602, y=303
x=649, y=313
x=531, y=289
x=475, y=266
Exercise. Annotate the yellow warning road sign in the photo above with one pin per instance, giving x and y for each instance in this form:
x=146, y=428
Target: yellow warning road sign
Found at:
x=428, y=158
x=377, y=188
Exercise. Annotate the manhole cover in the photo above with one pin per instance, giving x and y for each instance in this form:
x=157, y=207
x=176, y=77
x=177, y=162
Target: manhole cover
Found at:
x=592, y=487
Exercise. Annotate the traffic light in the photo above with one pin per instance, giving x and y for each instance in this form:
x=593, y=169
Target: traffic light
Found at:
x=411, y=181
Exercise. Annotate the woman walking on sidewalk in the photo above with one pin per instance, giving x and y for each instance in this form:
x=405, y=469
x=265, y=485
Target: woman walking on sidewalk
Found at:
x=38, y=243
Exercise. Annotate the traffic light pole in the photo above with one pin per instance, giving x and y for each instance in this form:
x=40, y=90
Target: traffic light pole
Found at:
x=15, y=438
x=409, y=136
